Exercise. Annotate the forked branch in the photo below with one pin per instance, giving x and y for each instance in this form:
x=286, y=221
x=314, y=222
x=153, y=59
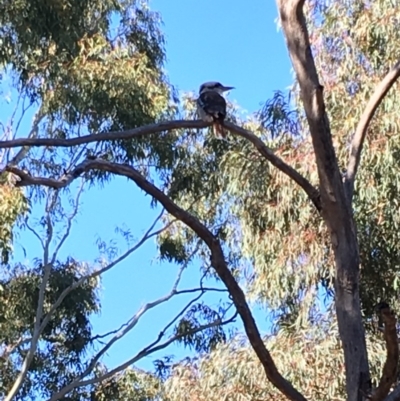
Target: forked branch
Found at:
x=47, y=265
x=152, y=348
x=266, y=152
x=217, y=261
x=359, y=137
x=336, y=210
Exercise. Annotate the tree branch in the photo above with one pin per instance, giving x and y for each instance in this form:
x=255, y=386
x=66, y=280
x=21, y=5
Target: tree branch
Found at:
x=143, y=353
x=336, y=210
x=130, y=325
x=361, y=132
x=389, y=372
x=149, y=234
x=39, y=310
x=218, y=262
x=267, y=153
x=107, y=136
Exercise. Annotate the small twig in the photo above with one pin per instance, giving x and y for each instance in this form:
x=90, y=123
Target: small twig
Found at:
x=359, y=137
x=69, y=223
x=140, y=355
x=109, y=266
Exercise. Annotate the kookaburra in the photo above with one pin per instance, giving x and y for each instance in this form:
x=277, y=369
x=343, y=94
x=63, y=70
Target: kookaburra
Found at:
x=211, y=105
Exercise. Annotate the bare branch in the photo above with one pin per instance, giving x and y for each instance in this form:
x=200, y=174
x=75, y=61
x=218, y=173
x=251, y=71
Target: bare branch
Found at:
x=336, y=209
x=359, y=137
x=389, y=372
x=188, y=291
x=219, y=264
x=39, y=311
x=109, y=266
x=107, y=136
x=130, y=325
x=140, y=355
x=268, y=154
x=69, y=223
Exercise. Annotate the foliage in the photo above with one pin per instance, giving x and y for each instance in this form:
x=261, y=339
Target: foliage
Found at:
x=65, y=339
x=87, y=77
x=13, y=204
x=310, y=358
x=350, y=69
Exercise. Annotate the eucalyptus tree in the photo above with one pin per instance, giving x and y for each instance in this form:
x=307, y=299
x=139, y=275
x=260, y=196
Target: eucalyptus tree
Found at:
x=276, y=207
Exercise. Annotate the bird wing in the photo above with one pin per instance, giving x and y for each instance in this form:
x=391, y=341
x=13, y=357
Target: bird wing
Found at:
x=213, y=104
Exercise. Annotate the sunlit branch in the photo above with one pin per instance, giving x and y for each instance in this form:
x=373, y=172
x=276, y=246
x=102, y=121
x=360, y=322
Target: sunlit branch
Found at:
x=389, y=372
x=149, y=234
x=359, y=137
x=69, y=223
x=39, y=310
x=131, y=324
x=140, y=355
x=37, y=119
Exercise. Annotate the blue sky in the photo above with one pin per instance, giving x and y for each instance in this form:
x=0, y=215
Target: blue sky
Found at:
x=231, y=41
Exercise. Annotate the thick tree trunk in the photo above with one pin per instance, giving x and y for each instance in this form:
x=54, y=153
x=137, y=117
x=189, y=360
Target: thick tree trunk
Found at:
x=336, y=209
x=348, y=311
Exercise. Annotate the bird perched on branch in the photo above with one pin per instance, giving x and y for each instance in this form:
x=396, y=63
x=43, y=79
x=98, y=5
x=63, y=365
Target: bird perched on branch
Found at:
x=211, y=105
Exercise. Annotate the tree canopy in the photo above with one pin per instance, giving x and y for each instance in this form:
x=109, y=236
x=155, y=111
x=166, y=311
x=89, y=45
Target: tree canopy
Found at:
x=295, y=211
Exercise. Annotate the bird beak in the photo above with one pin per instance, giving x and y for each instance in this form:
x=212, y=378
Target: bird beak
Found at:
x=227, y=88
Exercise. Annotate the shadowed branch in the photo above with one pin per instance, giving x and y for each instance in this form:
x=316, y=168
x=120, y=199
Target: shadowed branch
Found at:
x=217, y=261
x=266, y=152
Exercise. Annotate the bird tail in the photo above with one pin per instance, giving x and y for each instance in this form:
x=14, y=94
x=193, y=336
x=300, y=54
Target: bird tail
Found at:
x=219, y=130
